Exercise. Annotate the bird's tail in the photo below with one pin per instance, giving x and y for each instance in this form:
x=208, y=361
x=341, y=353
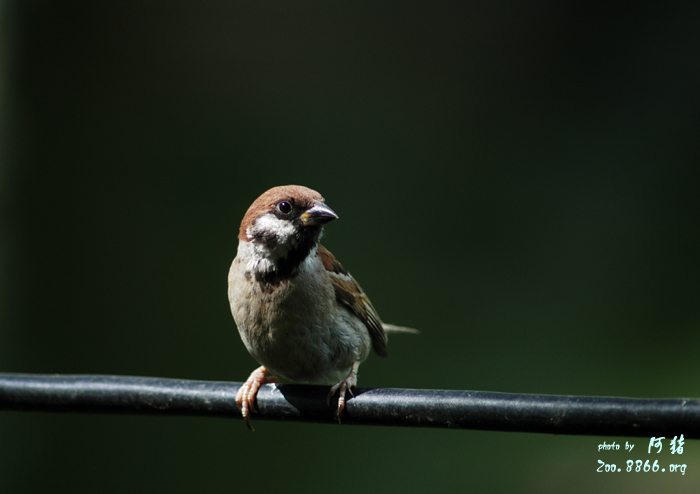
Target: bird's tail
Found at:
x=390, y=328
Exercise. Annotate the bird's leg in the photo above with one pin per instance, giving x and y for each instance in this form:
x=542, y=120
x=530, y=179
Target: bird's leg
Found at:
x=345, y=385
x=245, y=398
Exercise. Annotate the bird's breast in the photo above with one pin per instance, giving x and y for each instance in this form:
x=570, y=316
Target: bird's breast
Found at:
x=296, y=328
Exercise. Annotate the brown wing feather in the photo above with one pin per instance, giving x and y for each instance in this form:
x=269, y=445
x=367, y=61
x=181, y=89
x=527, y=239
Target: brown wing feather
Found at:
x=348, y=292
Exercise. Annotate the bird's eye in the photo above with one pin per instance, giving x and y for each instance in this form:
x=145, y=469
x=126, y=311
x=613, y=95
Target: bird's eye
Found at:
x=284, y=207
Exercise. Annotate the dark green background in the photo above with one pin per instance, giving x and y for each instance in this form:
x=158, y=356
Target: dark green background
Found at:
x=517, y=180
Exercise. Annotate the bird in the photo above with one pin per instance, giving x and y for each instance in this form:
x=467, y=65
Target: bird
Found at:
x=300, y=314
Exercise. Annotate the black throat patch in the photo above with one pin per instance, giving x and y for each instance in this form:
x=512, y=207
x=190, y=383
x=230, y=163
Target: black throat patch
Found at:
x=287, y=267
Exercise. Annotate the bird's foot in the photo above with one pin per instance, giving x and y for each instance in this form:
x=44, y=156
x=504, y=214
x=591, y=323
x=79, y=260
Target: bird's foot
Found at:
x=245, y=398
x=342, y=387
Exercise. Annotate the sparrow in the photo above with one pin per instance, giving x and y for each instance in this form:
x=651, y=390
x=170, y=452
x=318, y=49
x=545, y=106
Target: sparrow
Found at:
x=300, y=314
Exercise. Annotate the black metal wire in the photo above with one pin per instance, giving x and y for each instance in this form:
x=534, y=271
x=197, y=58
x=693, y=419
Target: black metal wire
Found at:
x=601, y=416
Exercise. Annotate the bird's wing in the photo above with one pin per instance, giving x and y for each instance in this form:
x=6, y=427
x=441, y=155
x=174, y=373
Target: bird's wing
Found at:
x=349, y=293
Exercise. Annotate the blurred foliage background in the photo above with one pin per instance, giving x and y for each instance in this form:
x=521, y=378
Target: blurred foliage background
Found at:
x=519, y=181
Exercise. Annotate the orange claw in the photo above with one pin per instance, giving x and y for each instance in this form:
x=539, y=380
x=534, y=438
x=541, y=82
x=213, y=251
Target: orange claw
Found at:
x=245, y=398
x=344, y=386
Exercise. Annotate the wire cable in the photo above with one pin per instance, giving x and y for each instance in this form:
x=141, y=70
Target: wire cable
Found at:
x=477, y=410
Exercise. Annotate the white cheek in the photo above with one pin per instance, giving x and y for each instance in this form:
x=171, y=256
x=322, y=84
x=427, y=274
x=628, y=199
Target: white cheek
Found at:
x=270, y=224
x=263, y=256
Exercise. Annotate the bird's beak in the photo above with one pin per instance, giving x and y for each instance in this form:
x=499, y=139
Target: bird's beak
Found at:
x=318, y=214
